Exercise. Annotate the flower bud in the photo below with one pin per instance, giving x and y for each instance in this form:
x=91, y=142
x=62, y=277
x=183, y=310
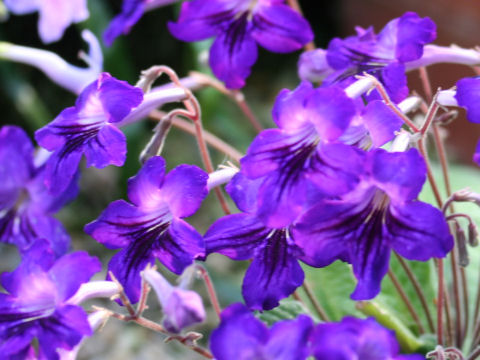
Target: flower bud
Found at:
x=181, y=307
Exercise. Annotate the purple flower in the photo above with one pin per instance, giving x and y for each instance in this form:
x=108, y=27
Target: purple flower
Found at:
x=239, y=25
x=468, y=96
x=26, y=206
x=304, y=155
x=274, y=272
x=88, y=128
x=381, y=214
x=132, y=11
x=55, y=16
x=36, y=305
x=151, y=227
x=242, y=336
x=181, y=307
x=383, y=55
x=356, y=339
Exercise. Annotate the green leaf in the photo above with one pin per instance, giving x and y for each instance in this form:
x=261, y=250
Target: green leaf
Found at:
x=332, y=286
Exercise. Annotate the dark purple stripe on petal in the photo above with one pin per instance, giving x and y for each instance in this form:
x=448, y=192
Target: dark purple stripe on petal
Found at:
x=274, y=273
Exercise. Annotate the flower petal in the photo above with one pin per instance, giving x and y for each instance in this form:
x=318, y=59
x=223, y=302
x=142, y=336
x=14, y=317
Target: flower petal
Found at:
x=184, y=189
x=200, y=19
x=231, y=58
x=64, y=329
x=400, y=174
x=144, y=188
x=273, y=274
x=381, y=122
x=279, y=28
x=288, y=339
x=236, y=236
x=239, y=336
x=66, y=275
x=418, y=231
x=331, y=111
x=108, y=147
x=289, y=111
x=121, y=223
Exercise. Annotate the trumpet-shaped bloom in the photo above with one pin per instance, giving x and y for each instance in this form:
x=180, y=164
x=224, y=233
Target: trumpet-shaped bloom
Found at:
x=242, y=336
x=356, y=339
x=382, y=55
x=36, y=304
x=150, y=227
x=26, y=206
x=304, y=155
x=88, y=128
x=238, y=27
x=381, y=214
x=55, y=16
x=275, y=272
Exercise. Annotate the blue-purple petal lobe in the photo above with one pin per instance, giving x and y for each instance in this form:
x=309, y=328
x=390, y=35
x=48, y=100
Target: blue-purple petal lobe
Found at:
x=109, y=147
x=239, y=336
x=179, y=246
x=184, y=189
x=231, y=59
x=118, y=97
x=413, y=33
x=132, y=11
x=279, y=28
x=288, y=339
x=289, y=111
x=200, y=20
x=468, y=95
x=65, y=272
x=244, y=192
x=382, y=123
x=400, y=174
x=274, y=273
x=418, y=231
x=236, y=236
x=330, y=110
x=144, y=188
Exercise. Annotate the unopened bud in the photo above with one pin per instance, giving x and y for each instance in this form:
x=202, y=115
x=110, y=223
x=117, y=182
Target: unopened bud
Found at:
x=462, y=246
x=472, y=234
x=181, y=307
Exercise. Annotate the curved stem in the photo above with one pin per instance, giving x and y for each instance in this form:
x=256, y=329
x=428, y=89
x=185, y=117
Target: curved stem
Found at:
x=418, y=290
x=211, y=139
x=318, y=308
x=407, y=301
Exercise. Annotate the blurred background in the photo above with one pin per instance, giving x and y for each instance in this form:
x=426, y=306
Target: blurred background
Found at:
x=30, y=100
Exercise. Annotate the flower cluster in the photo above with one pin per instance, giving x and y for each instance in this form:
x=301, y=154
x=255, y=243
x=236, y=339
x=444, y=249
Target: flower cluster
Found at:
x=339, y=178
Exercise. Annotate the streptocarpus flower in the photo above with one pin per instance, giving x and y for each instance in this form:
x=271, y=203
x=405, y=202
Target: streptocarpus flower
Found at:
x=132, y=11
x=274, y=272
x=55, y=16
x=181, y=307
x=88, y=128
x=380, y=215
x=36, y=304
x=304, y=154
x=150, y=227
x=242, y=336
x=26, y=206
x=356, y=339
x=383, y=55
x=239, y=25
